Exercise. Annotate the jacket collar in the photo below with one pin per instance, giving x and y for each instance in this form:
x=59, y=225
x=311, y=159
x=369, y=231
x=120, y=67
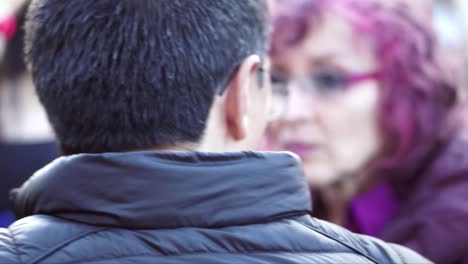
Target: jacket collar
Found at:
x=144, y=190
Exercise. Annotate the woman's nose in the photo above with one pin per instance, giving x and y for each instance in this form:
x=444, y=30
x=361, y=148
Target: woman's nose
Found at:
x=301, y=106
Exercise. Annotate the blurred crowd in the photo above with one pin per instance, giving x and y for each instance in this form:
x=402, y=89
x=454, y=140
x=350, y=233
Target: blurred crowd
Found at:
x=26, y=140
x=368, y=93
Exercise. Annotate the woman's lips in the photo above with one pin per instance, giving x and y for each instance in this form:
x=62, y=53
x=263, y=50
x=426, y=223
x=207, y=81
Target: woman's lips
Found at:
x=300, y=148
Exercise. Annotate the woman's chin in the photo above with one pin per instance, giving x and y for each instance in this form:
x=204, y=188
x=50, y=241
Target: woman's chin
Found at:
x=319, y=175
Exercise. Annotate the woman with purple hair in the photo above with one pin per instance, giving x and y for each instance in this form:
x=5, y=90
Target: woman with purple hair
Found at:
x=366, y=106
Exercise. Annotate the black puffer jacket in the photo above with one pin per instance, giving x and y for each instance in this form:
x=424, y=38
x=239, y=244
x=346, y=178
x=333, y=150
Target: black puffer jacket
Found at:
x=147, y=207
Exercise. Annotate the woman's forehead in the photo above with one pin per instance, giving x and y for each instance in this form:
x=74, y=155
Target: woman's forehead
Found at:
x=334, y=39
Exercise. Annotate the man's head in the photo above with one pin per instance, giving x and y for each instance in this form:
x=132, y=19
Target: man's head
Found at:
x=118, y=75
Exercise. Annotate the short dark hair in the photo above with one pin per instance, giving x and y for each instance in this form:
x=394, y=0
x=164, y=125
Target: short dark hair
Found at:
x=117, y=75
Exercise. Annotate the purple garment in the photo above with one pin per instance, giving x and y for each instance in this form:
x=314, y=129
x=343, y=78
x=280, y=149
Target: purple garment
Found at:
x=433, y=218
x=432, y=214
x=369, y=212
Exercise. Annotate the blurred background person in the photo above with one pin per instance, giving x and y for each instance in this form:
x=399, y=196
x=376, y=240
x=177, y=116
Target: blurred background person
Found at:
x=26, y=140
x=366, y=105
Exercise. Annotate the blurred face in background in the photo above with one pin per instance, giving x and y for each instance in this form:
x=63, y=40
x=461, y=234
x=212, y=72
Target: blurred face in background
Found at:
x=328, y=90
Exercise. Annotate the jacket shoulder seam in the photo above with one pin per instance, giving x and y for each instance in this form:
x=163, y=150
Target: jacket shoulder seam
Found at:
x=65, y=243
x=398, y=254
x=204, y=253
x=15, y=245
x=347, y=245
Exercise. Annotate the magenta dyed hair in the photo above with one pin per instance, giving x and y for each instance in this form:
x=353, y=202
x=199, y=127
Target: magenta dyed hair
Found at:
x=416, y=98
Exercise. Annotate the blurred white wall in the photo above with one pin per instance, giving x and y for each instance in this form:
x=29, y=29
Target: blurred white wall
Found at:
x=5, y=6
x=4, y=9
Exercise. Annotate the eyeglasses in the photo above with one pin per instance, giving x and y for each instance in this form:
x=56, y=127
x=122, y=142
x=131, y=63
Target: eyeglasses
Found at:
x=324, y=83
x=260, y=72
x=261, y=79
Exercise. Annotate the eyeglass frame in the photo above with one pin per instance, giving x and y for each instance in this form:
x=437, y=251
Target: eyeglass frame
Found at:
x=260, y=71
x=349, y=80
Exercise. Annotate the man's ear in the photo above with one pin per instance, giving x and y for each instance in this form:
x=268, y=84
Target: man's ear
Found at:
x=237, y=97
